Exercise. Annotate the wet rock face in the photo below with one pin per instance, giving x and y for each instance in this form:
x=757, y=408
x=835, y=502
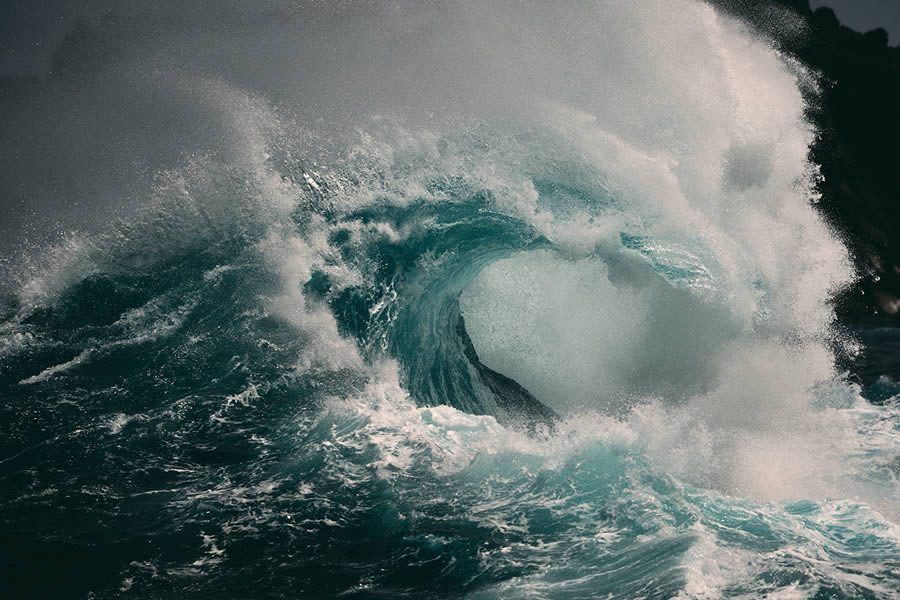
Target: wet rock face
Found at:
x=856, y=112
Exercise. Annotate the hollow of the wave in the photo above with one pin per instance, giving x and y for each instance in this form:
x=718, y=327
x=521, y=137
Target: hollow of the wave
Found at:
x=592, y=333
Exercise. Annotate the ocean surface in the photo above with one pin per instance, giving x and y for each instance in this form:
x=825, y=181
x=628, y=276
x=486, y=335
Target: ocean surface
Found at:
x=565, y=332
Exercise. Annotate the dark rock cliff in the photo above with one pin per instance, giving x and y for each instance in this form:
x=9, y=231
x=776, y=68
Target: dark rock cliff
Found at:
x=857, y=112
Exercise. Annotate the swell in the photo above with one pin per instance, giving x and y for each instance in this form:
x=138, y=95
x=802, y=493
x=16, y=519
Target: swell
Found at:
x=510, y=397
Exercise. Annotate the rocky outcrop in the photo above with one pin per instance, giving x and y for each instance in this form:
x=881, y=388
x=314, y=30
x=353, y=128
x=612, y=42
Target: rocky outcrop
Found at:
x=857, y=111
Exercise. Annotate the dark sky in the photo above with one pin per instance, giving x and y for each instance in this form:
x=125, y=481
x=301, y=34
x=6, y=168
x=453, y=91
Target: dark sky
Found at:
x=864, y=15
x=30, y=30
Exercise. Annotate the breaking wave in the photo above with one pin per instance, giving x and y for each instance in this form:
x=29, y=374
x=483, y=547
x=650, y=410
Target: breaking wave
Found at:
x=538, y=307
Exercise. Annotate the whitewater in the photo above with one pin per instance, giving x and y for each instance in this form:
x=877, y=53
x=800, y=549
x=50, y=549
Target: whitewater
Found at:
x=483, y=300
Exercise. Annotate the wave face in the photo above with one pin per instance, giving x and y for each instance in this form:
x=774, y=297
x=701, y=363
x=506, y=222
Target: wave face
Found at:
x=493, y=301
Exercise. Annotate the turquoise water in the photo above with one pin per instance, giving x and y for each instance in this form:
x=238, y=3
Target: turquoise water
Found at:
x=567, y=353
x=227, y=419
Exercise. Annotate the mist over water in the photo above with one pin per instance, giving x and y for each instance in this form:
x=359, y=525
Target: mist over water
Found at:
x=249, y=251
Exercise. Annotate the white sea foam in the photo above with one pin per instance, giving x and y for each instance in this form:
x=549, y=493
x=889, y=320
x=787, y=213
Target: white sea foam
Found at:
x=59, y=368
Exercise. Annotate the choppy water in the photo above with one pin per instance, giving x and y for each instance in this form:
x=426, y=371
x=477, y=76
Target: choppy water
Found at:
x=260, y=383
